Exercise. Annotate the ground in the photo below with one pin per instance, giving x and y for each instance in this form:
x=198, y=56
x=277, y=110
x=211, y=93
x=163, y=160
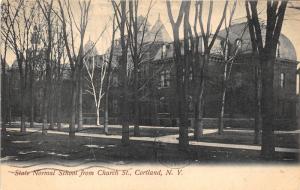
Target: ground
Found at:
x=155, y=145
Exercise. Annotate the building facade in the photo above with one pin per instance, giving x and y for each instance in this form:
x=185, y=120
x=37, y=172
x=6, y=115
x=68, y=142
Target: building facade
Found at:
x=157, y=83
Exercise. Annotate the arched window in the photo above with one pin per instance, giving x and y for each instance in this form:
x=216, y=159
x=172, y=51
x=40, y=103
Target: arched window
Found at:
x=238, y=43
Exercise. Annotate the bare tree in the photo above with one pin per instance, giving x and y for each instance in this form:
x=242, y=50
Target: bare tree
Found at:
x=199, y=69
x=47, y=12
x=257, y=79
x=75, y=59
x=4, y=48
x=108, y=74
x=121, y=17
x=18, y=26
x=97, y=72
x=266, y=51
x=96, y=77
x=32, y=64
x=181, y=70
x=58, y=68
x=136, y=30
x=228, y=58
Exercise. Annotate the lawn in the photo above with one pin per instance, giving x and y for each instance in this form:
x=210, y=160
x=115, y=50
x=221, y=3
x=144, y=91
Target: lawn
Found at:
x=35, y=147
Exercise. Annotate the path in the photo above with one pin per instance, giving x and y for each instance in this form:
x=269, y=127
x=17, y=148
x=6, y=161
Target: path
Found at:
x=173, y=139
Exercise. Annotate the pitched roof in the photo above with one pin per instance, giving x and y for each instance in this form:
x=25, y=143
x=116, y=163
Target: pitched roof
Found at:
x=158, y=32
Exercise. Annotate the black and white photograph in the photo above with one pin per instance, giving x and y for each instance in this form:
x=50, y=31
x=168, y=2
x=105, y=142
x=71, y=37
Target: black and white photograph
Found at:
x=103, y=85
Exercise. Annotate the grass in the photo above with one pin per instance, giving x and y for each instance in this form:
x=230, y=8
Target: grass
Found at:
x=35, y=147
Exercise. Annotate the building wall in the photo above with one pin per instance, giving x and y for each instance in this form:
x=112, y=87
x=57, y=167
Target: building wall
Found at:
x=158, y=103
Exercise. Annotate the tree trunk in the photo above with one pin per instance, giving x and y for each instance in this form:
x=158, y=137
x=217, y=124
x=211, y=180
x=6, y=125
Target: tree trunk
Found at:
x=198, y=120
x=73, y=105
x=199, y=96
x=59, y=106
x=257, y=117
x=4, y=97
x=45, y=103
x=51, y=105
x=125, y=118
x=98, y=116
x=268, y=141
x=9, y=101
x=106, y=113
x=123, y=62
x=221, y=118
x=183, y=128
x=32, y=102
x=183, y=111
x=80, y=120
x=224, y=89
x=136, y=126
x=23, y=127
x=136, y=129
x=32, y=95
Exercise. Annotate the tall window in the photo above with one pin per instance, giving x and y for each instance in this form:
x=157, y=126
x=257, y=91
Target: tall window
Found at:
x=163, y=105
x=116, y=42
x=282, y=80
x=191, y=74
x=115, y=81
x=278, y=50
x=190, y=103
x=115, y=106
x=238, y=43
x=163, y=51
x=165, y=78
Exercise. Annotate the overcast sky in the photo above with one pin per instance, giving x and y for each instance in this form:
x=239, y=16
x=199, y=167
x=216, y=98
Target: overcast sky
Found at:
x=101, y=13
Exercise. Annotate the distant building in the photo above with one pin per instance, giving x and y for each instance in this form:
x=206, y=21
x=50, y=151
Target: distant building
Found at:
x=157, y=81
x=158, y=104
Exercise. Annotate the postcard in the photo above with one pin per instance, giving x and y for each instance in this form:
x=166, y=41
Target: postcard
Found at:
x=159, y=94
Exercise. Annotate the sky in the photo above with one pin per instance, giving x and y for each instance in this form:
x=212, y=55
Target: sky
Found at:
x=101, y=13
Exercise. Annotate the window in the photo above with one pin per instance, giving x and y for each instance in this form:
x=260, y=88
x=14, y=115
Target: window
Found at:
x=191, y=74
x=202, y=46
x=163, y=51
x=117, y=43
x=282, y=80
x=238, y=43
x=163, y=106
x=278, y=50
x=115, y=81
x=165, y=78
x=115, y=106
x=190, y=103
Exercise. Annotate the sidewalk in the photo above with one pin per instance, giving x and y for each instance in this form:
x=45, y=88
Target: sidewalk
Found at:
x=173, y=139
